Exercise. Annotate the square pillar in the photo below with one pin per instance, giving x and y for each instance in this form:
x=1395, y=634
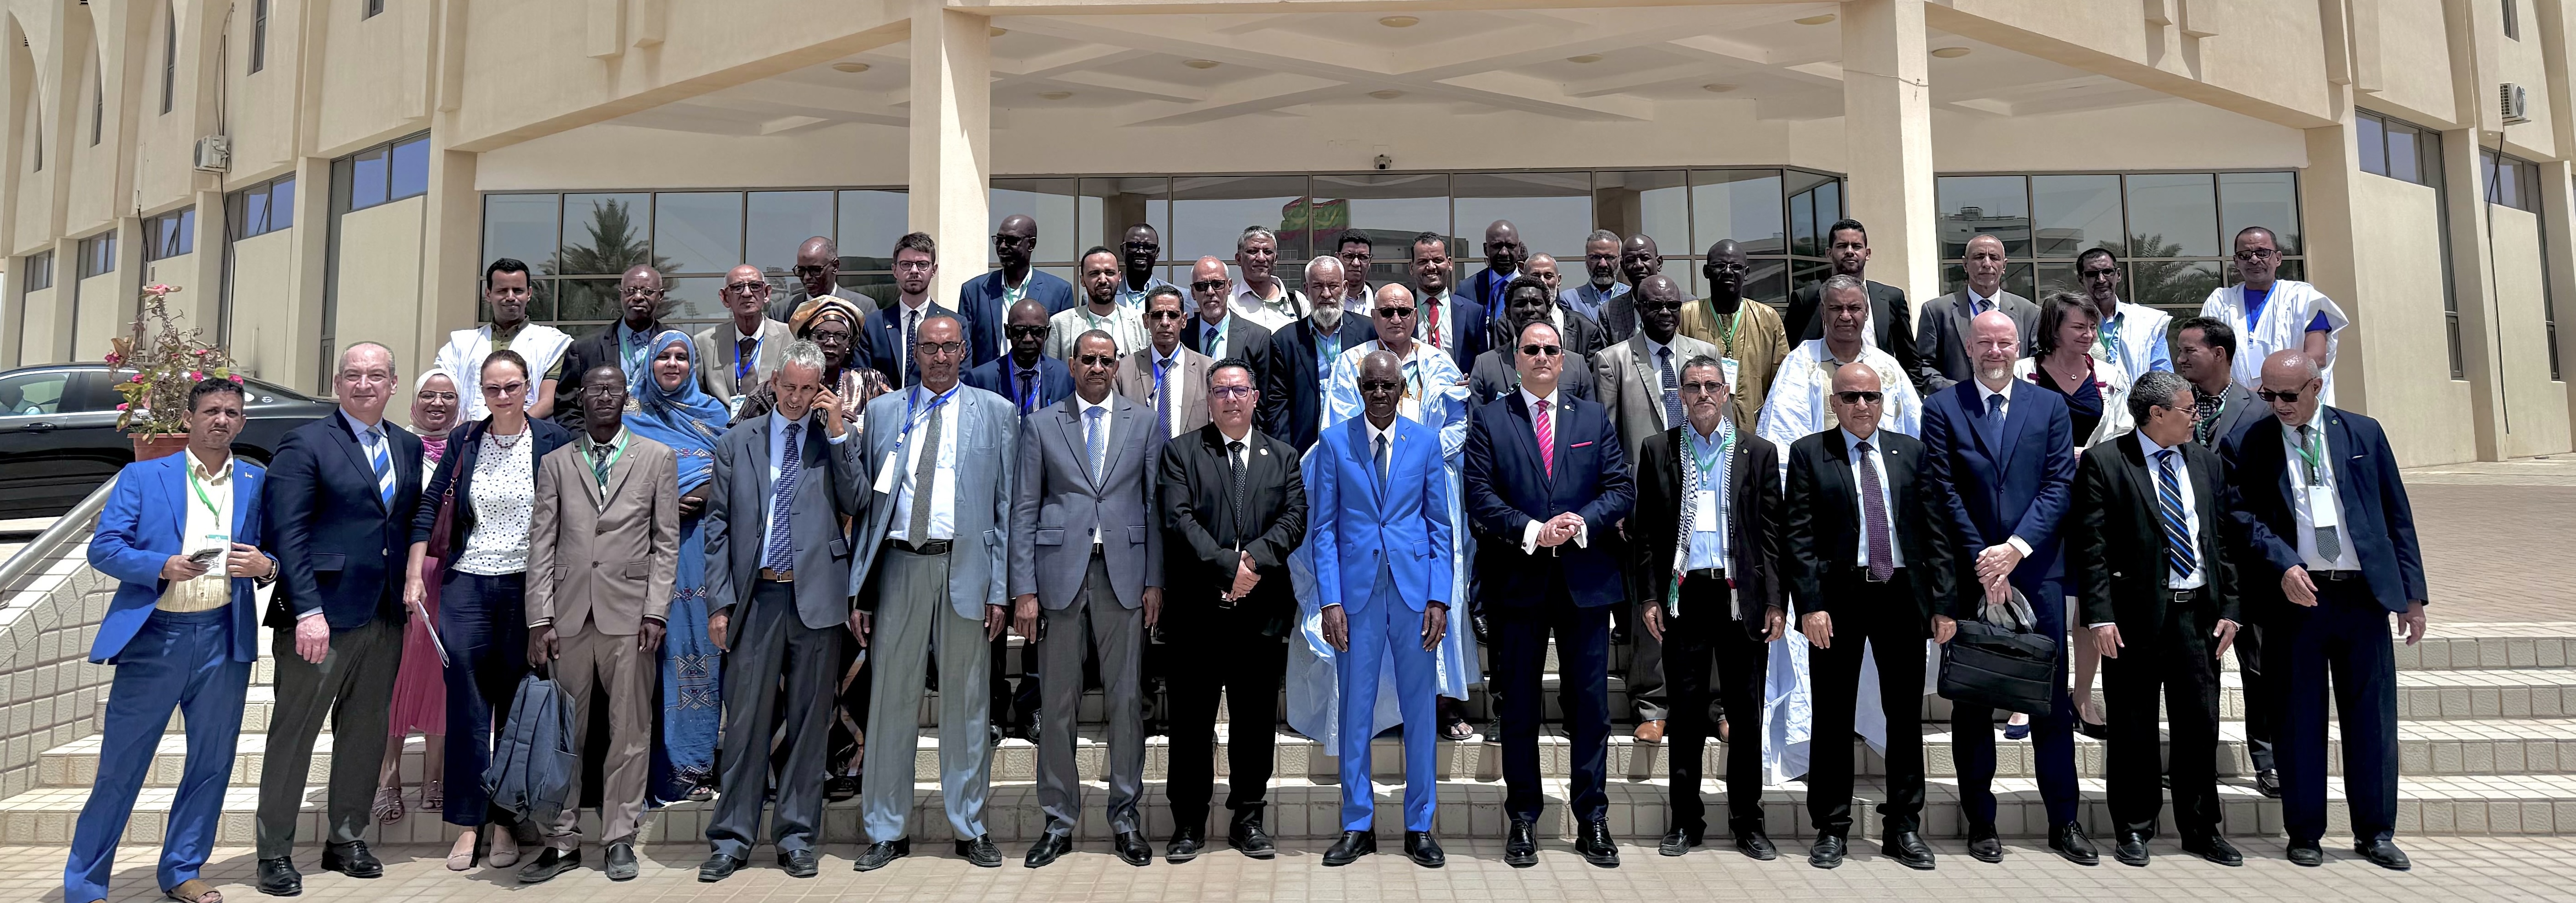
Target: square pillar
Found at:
x=1887, y=131
x=951, y=131
x=451, y=259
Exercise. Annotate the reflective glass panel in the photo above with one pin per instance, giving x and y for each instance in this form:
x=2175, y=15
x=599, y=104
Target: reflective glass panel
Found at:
x=2071, y=214
x=698, y=231
x=520, y=226
x=1983, y=205
x=2173, y=215
x=1391, y=208
x=1742, y=204
x=2266, y=199
x=1049, y=201
x=1552, y=210
x=603, y=234
x=779, y=222
x=1655, y=203
x=1210, y=212
x=870, y=223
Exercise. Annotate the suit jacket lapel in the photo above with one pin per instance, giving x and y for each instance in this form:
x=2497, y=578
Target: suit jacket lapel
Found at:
x=242, y=490
x=1068, y=418
x=1124, y=418
x=2338, y=446
x=348, y=437
x=617, y=473
x=759, y=463
x=2015, y=415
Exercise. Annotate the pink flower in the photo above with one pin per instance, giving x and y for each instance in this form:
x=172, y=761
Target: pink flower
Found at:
x=120, y=406
x=113, y=357
x=197, y=375
x=137, y=378
x=236, y=377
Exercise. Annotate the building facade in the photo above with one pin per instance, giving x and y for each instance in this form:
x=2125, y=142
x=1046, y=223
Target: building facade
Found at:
x=2412, y=155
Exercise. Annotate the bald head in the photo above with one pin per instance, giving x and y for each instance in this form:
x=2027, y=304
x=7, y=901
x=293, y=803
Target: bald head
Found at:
x=1994, y=342
x=2293, y=385
x=1659, y=307
x=1639, y=258
x=818, y=266
x=1381, y=387
x=1857, y=400
x=1504, y=252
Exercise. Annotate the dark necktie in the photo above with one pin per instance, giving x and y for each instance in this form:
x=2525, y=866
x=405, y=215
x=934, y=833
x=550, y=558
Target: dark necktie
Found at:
x=2212, y=407
x=1028, y=390
x=1234, y=462
x=599, y=465
x=1873, y=506
x=782, y=498
x=2178, y=551
x=911, y=334
x=925, y=475
x=1673, y=413
x=1162, y=399
x=1381, y=459
x=745, y=354
x=1995, y=406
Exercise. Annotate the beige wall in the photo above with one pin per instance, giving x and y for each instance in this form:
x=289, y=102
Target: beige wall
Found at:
x=264, y=335
x=42, y=340
x=2398, y=324
x=379, y=281
x=2534, y=404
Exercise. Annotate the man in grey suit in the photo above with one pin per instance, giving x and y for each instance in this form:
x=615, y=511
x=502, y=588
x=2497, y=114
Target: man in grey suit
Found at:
x=734, y=357
x=778, y=587
x=1942, y=347
x=930, y=573
x=2204, y=353
x=1084, y=547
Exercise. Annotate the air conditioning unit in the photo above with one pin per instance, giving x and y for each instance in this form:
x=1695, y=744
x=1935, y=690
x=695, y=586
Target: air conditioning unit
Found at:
x=214, y=154
x=2512, y=102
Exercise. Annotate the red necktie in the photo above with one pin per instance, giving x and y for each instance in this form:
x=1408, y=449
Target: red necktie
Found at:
x=1546, y=441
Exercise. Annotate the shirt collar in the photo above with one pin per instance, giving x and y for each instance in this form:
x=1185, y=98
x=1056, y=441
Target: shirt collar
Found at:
x=616, y=442
x=221, y=474
x=2149, y=446
x=1160, y=357
x=1724, y=426
x=1984, y=393
x=1374, y=433
x=1085, y=407
x=1655, y=349
x=359, y=427
x=1533, y=400
x=740, y=336
x=502, y=335
x=1973, y=297
x=1852, y=443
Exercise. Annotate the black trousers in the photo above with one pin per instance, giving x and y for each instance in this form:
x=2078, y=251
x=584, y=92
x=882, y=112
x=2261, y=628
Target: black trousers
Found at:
x=2176, y=660
x=1222, y=655
x=2262, y=702
x=1705, y=635
x=1883, y=615
x=1583, y=688
x=2345, y=637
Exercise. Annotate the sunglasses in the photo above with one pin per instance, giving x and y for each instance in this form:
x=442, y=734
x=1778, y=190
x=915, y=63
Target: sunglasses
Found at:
x=1858, y=397
x=1660, y=306
x=1212, y=285
x=1021, y=331
x=502, y=388
x=1381, y=386
x=1164, y=315
x=1097, y=360
x=1395, y=313
x=1537, y=350
x=2291, y=396
x=1703, y=388
x=746, y=288
x=1138, y=247
x=940, y=349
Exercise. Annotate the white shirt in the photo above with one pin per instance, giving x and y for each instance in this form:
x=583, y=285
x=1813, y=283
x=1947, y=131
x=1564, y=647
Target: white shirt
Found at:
x=778, y=460
x=1654, y=374
x=1978, y=303
x=2328, y=504
x=1271, y=313
x=204, y=528
x=1860, y=507
x=1108, y=435
x=1986, y=408
x=1582, y=528
x=1424, y=314
x=2190, y=510
x=1170, y=366
x=943, y=477
x=1380, y=435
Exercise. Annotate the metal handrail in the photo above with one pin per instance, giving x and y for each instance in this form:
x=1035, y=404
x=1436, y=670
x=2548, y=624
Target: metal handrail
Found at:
x=74, y=523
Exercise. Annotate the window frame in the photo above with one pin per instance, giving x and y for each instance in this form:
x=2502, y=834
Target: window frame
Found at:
x=36, y=272
x=258, y=36
x=169, y=54
x=345, y=170
x=171, y=234
x=238, y=222
x=97, y=254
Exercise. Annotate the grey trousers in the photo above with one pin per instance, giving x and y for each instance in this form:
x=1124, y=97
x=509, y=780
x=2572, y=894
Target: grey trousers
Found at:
x=353, y=689
x=768, y=640
x=1118, y=637
x=913, y=615
x=588, y=664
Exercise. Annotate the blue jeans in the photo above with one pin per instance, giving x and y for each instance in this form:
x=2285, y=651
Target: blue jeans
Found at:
x=484, y=623
x=178, y=660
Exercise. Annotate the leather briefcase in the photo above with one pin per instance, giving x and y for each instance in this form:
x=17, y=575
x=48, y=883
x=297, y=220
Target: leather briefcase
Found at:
x=2000, y=668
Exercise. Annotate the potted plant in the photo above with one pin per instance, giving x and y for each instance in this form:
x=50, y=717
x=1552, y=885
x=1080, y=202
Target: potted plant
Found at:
x=165, y=367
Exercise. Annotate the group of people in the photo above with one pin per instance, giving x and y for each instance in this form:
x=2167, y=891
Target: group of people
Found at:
x=749, y=544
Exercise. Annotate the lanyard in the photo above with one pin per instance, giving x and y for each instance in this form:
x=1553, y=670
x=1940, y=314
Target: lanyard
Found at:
x=741, y=365
x=1727, y=338
x=1708, y=463
x=913, y=418
x=2311, y=455
x=206, y=500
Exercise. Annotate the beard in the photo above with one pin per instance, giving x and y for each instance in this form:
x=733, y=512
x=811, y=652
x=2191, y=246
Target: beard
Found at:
x=1995, y=373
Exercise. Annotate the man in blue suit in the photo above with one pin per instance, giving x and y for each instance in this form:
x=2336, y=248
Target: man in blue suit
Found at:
x=181, y=535
x=2314, y=501
x=1377, y=486
x=986, y=301
x=1545, y=482
x=1025, y=377
x=2000, y=457
x=339, y=512
x=1302, y=355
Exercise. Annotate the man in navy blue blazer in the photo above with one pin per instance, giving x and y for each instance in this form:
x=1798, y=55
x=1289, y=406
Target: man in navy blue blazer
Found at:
x=1302, y=355
x=181, y=535
x=1026, y=377
x=2000, y=457
x=1447, y=318
x=988, y=300
x=1546, y=482
x=340, y=496
x=2314, y=502
x=886, y=340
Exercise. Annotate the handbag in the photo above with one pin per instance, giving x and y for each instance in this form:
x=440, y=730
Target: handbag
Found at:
x=2000, y=668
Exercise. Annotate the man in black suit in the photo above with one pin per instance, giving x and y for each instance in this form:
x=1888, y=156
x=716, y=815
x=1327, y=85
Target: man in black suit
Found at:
x=2160, y=597
x=1302, y=354
x=341, y=492
x=1545, y=481
x=1234, y=506
x=1527, y=301
x=1709, y=561
x=1583, y=335
x=2329, y=553
x=624, y=343
x=1891, y=322
x=2204, y=353
x=1865, y=552
x=1218, y=332
x=1445, y=318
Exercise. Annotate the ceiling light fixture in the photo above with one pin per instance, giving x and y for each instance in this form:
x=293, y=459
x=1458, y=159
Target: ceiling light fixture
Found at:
x=1386, y=94
x=1815, y=20
x=1951, y=53
x=1717, y=89
x=1400, y=21
x=1054, y=95
x=1585, y=58
x=850, y=67
x=1199, y=64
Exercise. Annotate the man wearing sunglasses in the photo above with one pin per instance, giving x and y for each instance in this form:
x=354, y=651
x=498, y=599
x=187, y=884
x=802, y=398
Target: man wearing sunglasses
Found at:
x=1220, y=331
x=1583, y=335
x=733, y=358
x=1639, y=383
x=1164, y=377
x=818, y=275
x=990, y=300
x=2271, y=314
x=507, y=291
x=640, y=305
x=1528, y=301
x=892, y=331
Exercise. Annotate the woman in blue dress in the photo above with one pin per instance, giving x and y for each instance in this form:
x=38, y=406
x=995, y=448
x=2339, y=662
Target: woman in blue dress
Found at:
x=667, y=406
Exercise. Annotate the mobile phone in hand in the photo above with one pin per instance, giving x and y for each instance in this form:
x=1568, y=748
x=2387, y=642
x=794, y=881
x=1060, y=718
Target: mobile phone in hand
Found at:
x=205, y=557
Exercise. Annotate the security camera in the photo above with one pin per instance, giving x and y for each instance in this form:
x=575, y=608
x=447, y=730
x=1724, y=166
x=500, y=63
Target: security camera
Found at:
x=1384, y=161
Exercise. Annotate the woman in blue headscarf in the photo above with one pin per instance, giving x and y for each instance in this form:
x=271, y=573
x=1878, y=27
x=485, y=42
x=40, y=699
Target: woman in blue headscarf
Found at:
x=667, y=406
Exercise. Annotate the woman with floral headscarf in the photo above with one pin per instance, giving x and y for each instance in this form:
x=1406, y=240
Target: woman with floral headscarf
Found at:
x=833, y=324
x=666, y=405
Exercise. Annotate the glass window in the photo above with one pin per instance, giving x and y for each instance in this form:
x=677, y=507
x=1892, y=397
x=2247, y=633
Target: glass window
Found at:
x=698, y=231
x=2071, y=214
x=1391, y=208
x=1209, y=213
x=36, y=272
x=170, y=234
x=2017, y=278
x=603, y=234
x=1970, y=206
x=780, y=222
x=521, y=226
x=2173, y=285
x=258, y=35
x=1552, y=210
x=695, y=300
x=367, y=178
x=584, y=299
x=1631, y=202
x=410, y=171
x=373, y=7
x=2266, y=199
x=30, y=394
x=2402, y=163
x=1049, y=201
x=1742, y=204
x=1108, y=207
x=870, y=223
x=98, y=254
x=2173, y=215
x=281, y=203
x=1808, y=219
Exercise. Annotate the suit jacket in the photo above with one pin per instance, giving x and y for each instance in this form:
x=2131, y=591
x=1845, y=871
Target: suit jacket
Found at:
x=1891, y=322
x=1292, y=397
x=1942, y=350
x=1822, y=533
x=456, y=474
x=716, y=350
x=1752, y=502
x=1618, y=315
x=1244, y=340
x=1581, y=335
x=2117, y=539
x=1464, y=330
x=2377, y=521
x=1187, y=380
x=1359, y=521
x=882, y=345
x=978, y=562
x=1204, y=542
x=599, y=347
x=1056, y=504
x=784, y=306
x=1494, y=377
x=1507, y=488
x=143, y=525
x=1620, y=375
x=980, y=302
x=830, y=485
x=339, y=545
x=604, y=562
x=1055, y=381
x=2018, y=482
x=1486, y=288
x=2242, y=408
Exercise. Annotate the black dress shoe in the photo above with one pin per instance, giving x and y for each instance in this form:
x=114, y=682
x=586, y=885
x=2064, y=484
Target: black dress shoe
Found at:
x=2215, y=849
x=1049, y=847
x=980, y=852
x=840, y=787
x=1827, y=853
x=549, y=863
x=2131, y=850
x=798, y=863
x=2090, y=729
x=2307, y=853
x=1132, y=848
x=351, y=859
x=1520, y=849
x=620, y=861
x=2384, y=854
x=2268, y=783
x=1908, y=848
x=1248, y=838
x=2069, y=841
x=1750, y=841
x=881, y=854
x=1184, y=847
x=1678, y=841
x=1983, y=847
x=1424, y=851
x=718, y=867
x=1353, y=845
x=1596, y=846
x=278, y=877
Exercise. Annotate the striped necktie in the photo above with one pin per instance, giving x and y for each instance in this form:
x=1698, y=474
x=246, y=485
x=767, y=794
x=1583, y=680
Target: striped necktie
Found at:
x=782, y=540
x=1546, y=441
x=2178, y=549
x=382, y=458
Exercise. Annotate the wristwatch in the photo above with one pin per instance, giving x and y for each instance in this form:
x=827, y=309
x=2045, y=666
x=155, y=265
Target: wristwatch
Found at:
x=264, y=581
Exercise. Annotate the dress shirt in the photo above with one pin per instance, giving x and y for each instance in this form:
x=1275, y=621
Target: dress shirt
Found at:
x=204, y=528
x=1886, y=497
x=1376, y=435
x=1556, y=415
x=1423, y=316
x=1654, y=375
x=593, y=452
x=943, y=477
x=1012, y=295
x=1589, y=298
x=1122, y=323
x=1708, y=540
x=2190, y=509
x=2301, y=500
x=1213, y=336
x=1986, y=408
x=778, y=459
x=631, y=348
x=1269, y=312
x=1132, y=298
x=1978, y=304
x=1170, y=366
x=757, y=351
x=1108, y=436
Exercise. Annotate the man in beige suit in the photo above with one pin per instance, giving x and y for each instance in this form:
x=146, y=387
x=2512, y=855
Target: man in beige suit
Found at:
x=734, y=357
x=1164, y=377
x=603, y=551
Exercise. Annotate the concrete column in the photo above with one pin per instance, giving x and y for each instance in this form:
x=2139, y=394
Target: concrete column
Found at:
x=2328, y=240
x=1887, y=129
x=309, y=367
x=951, y=129
x=2464, y=199
x=451, y=250
x=2557, y=188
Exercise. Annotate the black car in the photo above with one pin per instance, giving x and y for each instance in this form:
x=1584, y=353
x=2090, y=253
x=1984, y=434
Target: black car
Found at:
x=59, y=441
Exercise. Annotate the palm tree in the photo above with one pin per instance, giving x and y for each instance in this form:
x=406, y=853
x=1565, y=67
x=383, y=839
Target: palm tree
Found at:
x=616, y=242
x=2169, y=284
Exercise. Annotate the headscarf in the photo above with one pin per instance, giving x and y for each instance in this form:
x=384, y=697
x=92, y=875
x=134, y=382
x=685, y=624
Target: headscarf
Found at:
x=432, y=447
x=687, y=419
x=810, y=312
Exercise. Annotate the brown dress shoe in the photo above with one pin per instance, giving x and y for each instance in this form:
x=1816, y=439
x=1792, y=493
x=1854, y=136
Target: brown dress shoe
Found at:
x=1650, y=731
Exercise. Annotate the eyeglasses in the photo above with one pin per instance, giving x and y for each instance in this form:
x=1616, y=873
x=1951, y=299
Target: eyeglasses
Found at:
x=1715, y=267
x=1394, y=313
x=1537, y=350
x=438, y=396
x=913, y=266
x=1164, y=315
x=1660, y=306
x=503, y=388
x=639, y=292
x=1703, y=388
x=1229, y=391
x=2291, y=397
x=1857, y=397
x=1097, y=360
x=1005, y=241
x=1381, y=386
x=1026, y=331
x=2090, y=275
x=939, y=349
x=1212, y=285
x=1139, y=247
x=1357, y=257
x=746, y=288
x=2253, y=254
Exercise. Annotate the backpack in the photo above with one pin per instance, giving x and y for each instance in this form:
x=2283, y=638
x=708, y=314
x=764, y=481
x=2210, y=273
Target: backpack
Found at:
x=533, y=759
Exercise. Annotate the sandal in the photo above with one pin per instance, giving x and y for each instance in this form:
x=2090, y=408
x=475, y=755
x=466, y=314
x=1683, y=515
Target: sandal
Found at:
x=433, y=795
x=389, y=805
x=195, y=891
x=1455, y=729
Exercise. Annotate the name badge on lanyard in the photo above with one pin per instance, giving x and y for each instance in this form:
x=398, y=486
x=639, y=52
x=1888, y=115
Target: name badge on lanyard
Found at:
x=1704, y=508
x=911, y=419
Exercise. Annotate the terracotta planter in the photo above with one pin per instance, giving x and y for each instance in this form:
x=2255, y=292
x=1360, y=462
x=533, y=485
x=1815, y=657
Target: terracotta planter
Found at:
x=158, y=445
